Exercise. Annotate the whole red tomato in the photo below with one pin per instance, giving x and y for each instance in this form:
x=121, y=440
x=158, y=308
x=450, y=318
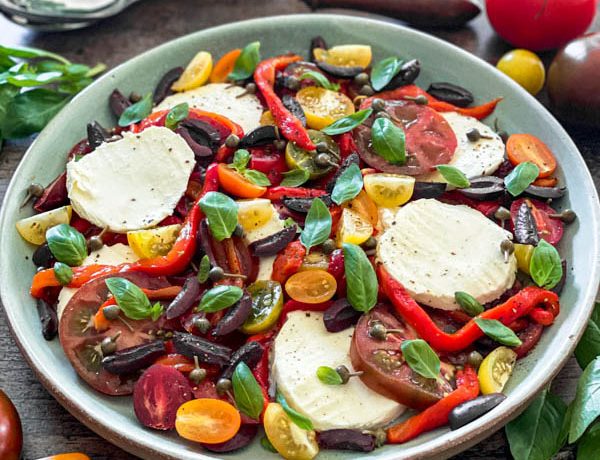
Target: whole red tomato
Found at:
x=11, y=435
x=540, y=24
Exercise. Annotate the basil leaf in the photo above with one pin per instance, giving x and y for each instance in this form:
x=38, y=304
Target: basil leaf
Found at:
x=545, y=266
x=257, y=177
x=7, y=93
x=421, y=358
x=317, y=225
x=246, y=62
x=96, y=70
x=266, y=444
x=536, y=433
x=66, y=244
x=589, y=444
x=248, y=396
x=132, y=301
x=361, y=279
x=589, y=345
x=63, y=273
x=296, y=417
x=241, y=157
x=178, y=113
x=468, y=303
x=454, y=176
x=203, y=269
x=24, y=80
x=498, y=331
x=348, y=185
x=30, y=53
x=389, y=141
x=320, y=79
x=328, y=375
x=136, y=112
x=586, y=405
x=348, y=123
x=383, y=72
x=521, y=177
x=220, y=297
x=295, y=178
x=221, y=212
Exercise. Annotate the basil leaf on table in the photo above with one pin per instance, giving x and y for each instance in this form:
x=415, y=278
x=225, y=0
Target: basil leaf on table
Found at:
x=589, y=345
x=589, y=444
x=177, y=114
x=31, y=53
x=389, y=141
x=348, y=123
x=136, y=112
x=295, y=178
x=521, y=177
x=361, y=280
x=220, y=297
x=63, y=273
x=320, y=79
x=328, y=375
x=25, y=80
x=248, y=395
x=348, y=185
x=132, y=301
x=66, y=244
x=586, y=405
x=468, y=303
x=296, y=417
x=498, y=332
x=536, y=433
x=383, y=72
x=421, y=358
x=203, y=269
x=221, y=212
x=246, y=62
x=545, y=266
x=453, y=176
x=256, y=177
x=317, y=225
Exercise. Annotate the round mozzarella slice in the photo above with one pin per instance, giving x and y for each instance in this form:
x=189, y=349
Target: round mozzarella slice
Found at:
x=435, y=249
x=132, y=183
x=223, y=99
x=480, y=158
x=302, y=345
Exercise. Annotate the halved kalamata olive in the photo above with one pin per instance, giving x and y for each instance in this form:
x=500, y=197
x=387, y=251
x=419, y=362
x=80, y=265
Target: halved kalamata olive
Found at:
x=470, y=410
x=316, y=42
x=561, y=283
x=207, y=352
x=340, y=71
x=525, y=227
x=484, y=188
x=203, y=240
x=260, y=136
x=242, y=438
x=353, y=158
x=118, y=102
x=203, y=133
x=294, y=107
x=200, y=151
x=135, y=358
x=302, y=205
x=185, y=299
x=48, y=318
x=54, y=196
x=529, y=338
x=344, y=439
x=96, y=134
x=250, y=353
x=451, y=93
x=272, y=244
x=408, y=73
x=428, y=190
x=341, y=315
x=43, y=257
x=545, y=192
x=235, y=316
x=163, y=88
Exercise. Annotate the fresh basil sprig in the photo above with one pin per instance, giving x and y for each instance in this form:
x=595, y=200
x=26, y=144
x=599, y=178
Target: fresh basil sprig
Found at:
x=498, y=332
x=132, y=301
x=468, y=303
x=296, y=417
x=362, y=285
x=421, y=358
x=63, y=273
x=203, y=269
x=348, y=185
x=586, y=405
x=329, y=376
x=66, y=244
x=295, y=178
x=240, y=163
x=317, y=225
x=246, y=62
x=320, y=79
x=177, y=114
x=220, y=297
x=589, y=345
x=389, y=141
x=383, y=72
x=521, y=177
x=137, y=112
x=454, y=176
x=221, y=212
x=248, y=396
x=348, y=123
x=545, y=266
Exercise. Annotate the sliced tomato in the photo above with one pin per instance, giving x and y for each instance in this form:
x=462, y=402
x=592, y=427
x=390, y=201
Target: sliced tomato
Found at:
x=526, y=147
x=237, y=185
x=549, y=228
x=267, y=161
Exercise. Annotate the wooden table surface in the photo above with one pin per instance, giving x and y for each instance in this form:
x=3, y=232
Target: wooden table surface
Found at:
x=48, y=427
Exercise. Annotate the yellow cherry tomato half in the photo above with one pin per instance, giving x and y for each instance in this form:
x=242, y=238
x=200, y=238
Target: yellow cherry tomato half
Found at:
x=207, y=420
x=389, y=190
x=253, y=214
x=353, y=228
x=496, y=369
x=523, y=253
x=524, y=67
x=322, y=106
x=291, y=441
x=153, y=242
x=33, y=229
x=311, y=286
x=196, y=73
x=345, y=55
x=365, y=206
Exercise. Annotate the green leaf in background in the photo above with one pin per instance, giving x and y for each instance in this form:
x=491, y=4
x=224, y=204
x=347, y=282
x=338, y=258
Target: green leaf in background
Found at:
x=67, y=244
x=494, y=329
x=586, y=405
x=31, y=53
x=589, y=444
x=7, y=93
x=389, y=141
x=545, y=266
x=137, y=112
x=521, y=177
x=132, y=301
x=296, y=417
x=421, y=358
x=203, y=269
x=24, y=80
x=248, y=396
x=317, y=225
x=589, y=345
x=468, y=303
x=362, y=285
x=177, y=114
x=219, y=298
x=221, y=212
x=246, y=62
x=383, y=72
x=320, y=79
x=63, y=273
x=348, y=185
x=295, y=178
x=348, y=123
x=329, y=376
x=453, y=176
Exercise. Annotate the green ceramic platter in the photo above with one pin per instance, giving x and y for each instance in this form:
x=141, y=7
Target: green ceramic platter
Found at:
x=113, y=418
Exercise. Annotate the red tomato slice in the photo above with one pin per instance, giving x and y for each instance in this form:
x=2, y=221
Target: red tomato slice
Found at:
x=549, y=228
x=265, y=160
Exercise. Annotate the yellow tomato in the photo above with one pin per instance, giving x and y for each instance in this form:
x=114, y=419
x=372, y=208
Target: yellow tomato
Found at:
x=253, y=214
x=353, y=228
x=365, y=206
x=291, y=441
x=345, y=55
x=311, y=286
x=523, y=253
x=524, y=67
x=196, y=73
x=267, y=118
x=496, y=369
x=389, y=190
x=322, y=106
x=153, y=242
x=33, y=229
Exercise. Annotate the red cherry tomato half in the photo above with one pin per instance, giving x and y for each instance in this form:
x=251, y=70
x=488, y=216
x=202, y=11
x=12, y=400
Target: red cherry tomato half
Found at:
x=549, y=228
x=11, y=434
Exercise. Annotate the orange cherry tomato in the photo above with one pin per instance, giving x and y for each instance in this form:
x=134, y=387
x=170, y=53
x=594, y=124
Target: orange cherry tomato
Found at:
x=546, y=182
x=366, y=207
x=236, y=184
x=207, y=420
x=224, y=66
x=69, y=456
x=311, y=286
x=101, y=322
x=526, y=147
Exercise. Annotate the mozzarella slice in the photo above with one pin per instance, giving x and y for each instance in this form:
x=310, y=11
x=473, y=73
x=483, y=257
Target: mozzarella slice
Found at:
x=107, y=255
x=435, y=249
x=221, y=98
x=132, y=183
x=302, y=345
x=480, y=158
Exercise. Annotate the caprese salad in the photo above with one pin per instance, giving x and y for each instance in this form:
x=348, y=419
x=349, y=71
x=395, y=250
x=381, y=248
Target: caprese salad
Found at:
x=318, y=248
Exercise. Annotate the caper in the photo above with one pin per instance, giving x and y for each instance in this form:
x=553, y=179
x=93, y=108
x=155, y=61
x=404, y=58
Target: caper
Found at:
x=502, y=214
x=421, y=100
x=507, y=247
x=251, y=88
x=378, y=331
x=111, y=312
x=366, y=90
x=279, y=144
x=343, y=372
x=322, y=147
x=202, y=324
x=473, y=134
x=232, y=141
x=135, y=97
x=378, y=105
x=223, y=386
x=568, y=216
x=361, y=79
x=380, y=437
x=292, y=82
x=474, y=359
x=238, y=231
x=216, y=274
x=95, y=243
x=371, y=243
x=328, y=246
x=197, y=375
x=169, y=335
x=36, y=190
x=109, y=344
x=323, y=160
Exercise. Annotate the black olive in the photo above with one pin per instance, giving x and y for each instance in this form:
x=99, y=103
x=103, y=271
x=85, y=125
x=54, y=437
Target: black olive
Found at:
x=303, y=204
x=185, y=299
x=208, y=352
x=545, y=192
x=203, y=239
x=118, y=102
x=242, y=438
x=43, y=257
x=260, y=136
x=235, y=316
x=428, y=190
x=340, y=71
x=200, y=151
x=316, y=42
x=202, y=133
x=272, y=244
x=525, y=227
x=340, y=315
x=96, y=134
x=451, y=93
x=484, y=188
x=408, y=73
x=353, y=158
x=250, y=353
x=470, y=410
x=48, y=318
x=292, y=104
x=344, y=439
x=163, y=88
x=134, y=358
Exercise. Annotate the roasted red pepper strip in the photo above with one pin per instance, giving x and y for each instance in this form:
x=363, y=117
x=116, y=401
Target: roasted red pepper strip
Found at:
x=289, y=126
x=437, y=415
x=288, y=261
x=294, y=305
x=519, y=305
x=279, y=192
x=174, y=262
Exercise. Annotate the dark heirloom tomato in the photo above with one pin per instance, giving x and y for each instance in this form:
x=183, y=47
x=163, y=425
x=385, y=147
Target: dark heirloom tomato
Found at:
x=81, y=341
x=384, y=368
x=11, y=434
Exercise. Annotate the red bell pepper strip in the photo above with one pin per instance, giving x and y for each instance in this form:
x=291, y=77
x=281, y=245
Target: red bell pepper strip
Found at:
x=437, y=415
x=288, y=261
x=279, y=192
x=521, y=304
x=175, y=261
x=289, y=126
x=294, y=305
